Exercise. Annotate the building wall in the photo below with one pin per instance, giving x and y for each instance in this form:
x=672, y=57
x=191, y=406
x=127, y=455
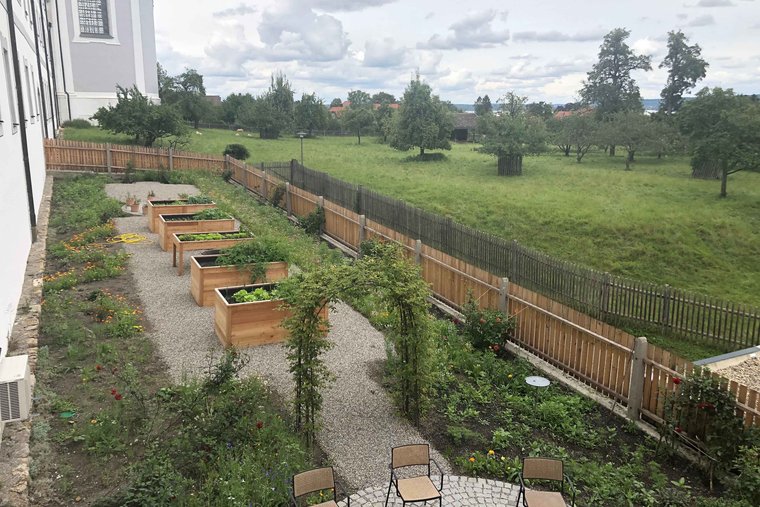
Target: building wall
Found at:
x=15, y=221
x=126, y=58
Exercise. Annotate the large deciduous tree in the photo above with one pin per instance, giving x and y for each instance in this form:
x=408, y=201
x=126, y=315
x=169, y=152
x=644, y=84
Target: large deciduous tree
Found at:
x=577, y=133
x=233, y=104
x=609, y=86
x=359, y=116
x=310, y=113
x=630, y=129
x=723, y=130
x=422, y=121
x=685, y=67
x=135, y=115
x=512, y=134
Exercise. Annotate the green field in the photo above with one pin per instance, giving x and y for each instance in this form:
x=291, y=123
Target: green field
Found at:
x=653, y=223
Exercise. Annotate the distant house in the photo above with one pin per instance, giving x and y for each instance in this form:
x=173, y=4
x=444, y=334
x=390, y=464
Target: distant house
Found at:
x=464, y=126
x=337, y=111
x=558, y=115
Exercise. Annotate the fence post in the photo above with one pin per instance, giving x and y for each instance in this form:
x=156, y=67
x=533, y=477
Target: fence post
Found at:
x=362, y=232
x=418, y=252
x=288, y=205
x=265, y=185
x=226, y=163
x=604, y=303
x=358, y=203
x=171, y=158
x=109, y=157
x=292, y=169
x=321, y=205
x=665, y=312
x=636, y=390
x=513, y=265
x=504, y=295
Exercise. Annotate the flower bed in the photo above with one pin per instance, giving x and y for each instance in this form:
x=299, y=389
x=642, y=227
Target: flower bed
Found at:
x=206, y=275
x=211, y=240
x=155, y=208
x=251, y=323
x=184, y=223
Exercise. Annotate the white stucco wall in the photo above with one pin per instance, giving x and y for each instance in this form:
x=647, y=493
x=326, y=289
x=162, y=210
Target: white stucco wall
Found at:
x=14, y=208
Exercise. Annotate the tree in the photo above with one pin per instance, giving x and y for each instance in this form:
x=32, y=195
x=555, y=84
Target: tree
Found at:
x=280, y=95
x=359, y=115
x=540, y=109
x=511, y=136
x=384, y=119
x=630, y=129
x=723, y=130
x=310, y=113
x=451, y=107
x=512, y=104
x=685, y=67
x=232, y=105
x=271, y=112
x=483, y=105
x=336, y=102
x=383, y=98
x=577, y=132
x=558, y=135
x=167, y=86
x=135, y=115
x=422, y=122
x=609, y=86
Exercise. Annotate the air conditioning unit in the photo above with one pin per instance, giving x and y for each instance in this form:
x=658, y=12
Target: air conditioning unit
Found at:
x=15, y=389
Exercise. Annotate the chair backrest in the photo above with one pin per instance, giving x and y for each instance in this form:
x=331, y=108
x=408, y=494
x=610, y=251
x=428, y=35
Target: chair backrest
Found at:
x=410, y=455
x=542, y=468
x=313, y=480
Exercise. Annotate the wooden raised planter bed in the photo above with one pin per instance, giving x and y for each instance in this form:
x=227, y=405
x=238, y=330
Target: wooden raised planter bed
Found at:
x=180, y=247
x=250, y=324
x=155, y=208
x=167, y=227
x=205, y=276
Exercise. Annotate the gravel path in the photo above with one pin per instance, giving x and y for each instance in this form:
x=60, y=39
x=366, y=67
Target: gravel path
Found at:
x=747, y=372
x=360, y=424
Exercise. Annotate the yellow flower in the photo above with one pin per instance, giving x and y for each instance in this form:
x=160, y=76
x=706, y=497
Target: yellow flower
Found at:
x=509, y=376
x=472, y=459
x=491, y=453
x=93, y=421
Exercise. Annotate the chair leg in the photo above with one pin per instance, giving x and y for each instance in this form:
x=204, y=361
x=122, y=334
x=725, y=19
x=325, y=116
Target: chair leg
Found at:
x=389, y=491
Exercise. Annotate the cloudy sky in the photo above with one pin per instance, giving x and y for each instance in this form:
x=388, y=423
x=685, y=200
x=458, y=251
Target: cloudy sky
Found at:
x=463, y=49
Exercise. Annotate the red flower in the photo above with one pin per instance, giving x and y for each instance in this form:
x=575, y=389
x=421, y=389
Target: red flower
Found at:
x=495, y=347
x=259, y=425
x=482, y=321
x=678, y=429
x=98, y=367
x=113, y=392
x=676, y=380
x=117, y=397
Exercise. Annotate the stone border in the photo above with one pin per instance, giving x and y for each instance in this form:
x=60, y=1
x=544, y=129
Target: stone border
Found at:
x=14, y=452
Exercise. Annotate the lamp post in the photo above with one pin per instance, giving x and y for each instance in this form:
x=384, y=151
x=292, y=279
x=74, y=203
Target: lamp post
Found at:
x=301, y=135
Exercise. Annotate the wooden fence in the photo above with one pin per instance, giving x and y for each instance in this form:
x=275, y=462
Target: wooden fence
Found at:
x=583, y=346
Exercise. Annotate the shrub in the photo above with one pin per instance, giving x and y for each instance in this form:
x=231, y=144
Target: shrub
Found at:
x=237, y=151
x=485, y=327
x=314, y=221
x=79, y=123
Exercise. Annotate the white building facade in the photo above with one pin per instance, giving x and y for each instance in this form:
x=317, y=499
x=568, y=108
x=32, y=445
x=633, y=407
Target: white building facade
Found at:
x=27, y=117
x=100, y=44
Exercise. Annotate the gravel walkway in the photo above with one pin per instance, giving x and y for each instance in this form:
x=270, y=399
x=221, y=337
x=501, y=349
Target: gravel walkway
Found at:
x=360, y=424
x=747, y=372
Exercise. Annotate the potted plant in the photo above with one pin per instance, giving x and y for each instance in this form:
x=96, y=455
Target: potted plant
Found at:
x=254, y=261
x=250, y=315
x=192, y=204
x=151, y=195
x=207, y=220
x=203, y=241
x=130, y=199
x=134, y=207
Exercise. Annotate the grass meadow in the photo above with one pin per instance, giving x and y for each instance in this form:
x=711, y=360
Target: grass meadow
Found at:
x=653, y=223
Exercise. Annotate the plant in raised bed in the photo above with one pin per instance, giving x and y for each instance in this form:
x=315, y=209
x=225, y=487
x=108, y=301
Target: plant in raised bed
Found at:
x=254, y=255
x=258, y=294
x=211, y=236
x=206, y=214
x=199, y=199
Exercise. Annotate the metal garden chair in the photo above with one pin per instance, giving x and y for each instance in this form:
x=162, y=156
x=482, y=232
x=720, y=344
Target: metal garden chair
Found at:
x=316, y=480
x=544, y=469
x=418, y=488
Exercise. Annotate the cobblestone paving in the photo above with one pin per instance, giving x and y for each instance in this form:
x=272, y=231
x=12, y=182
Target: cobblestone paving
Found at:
x=457, y=492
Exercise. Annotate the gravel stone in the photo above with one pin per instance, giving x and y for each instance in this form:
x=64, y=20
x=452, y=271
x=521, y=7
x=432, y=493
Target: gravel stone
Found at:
x=360, y=423
x=747, y=373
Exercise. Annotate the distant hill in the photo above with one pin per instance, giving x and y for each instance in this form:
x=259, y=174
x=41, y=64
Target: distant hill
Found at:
x=649, y=105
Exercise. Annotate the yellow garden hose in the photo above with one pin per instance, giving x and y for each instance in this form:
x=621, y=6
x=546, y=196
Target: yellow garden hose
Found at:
x=129, y=237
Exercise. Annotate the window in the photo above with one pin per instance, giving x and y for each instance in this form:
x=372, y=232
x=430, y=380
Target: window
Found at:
x=29, y=96
x=93, y=18
x=9, y=88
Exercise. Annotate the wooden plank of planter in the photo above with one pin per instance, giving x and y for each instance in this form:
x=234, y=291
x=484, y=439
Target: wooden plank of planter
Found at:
x=250, y=324
x=167, y=227
x=180, y=247
x=155, y=208
x=205, y=276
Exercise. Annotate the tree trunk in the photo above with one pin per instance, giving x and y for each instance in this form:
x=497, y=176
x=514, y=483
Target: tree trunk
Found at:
x=510, y=165
x=612, y=150
x=359, y=135
x=567, y=151
x=422, y=152
x=195, y=124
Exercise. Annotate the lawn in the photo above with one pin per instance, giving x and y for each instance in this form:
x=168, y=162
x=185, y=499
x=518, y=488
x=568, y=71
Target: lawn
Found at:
x=654, y=223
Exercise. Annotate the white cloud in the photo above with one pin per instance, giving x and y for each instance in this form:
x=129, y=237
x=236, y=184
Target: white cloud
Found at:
x=383, y=53
x=344, y=5
x=240, y=10
x=705, y=20
x=474, y=31
x=715, y=3
x=297, y=34
x=646, y=46
x=557, y=36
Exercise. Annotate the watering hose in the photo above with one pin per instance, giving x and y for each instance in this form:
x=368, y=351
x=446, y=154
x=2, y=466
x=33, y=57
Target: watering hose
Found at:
x=129, y=237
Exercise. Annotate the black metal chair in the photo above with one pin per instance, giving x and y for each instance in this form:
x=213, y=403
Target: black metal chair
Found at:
x=419, y=488
x=545, y=469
